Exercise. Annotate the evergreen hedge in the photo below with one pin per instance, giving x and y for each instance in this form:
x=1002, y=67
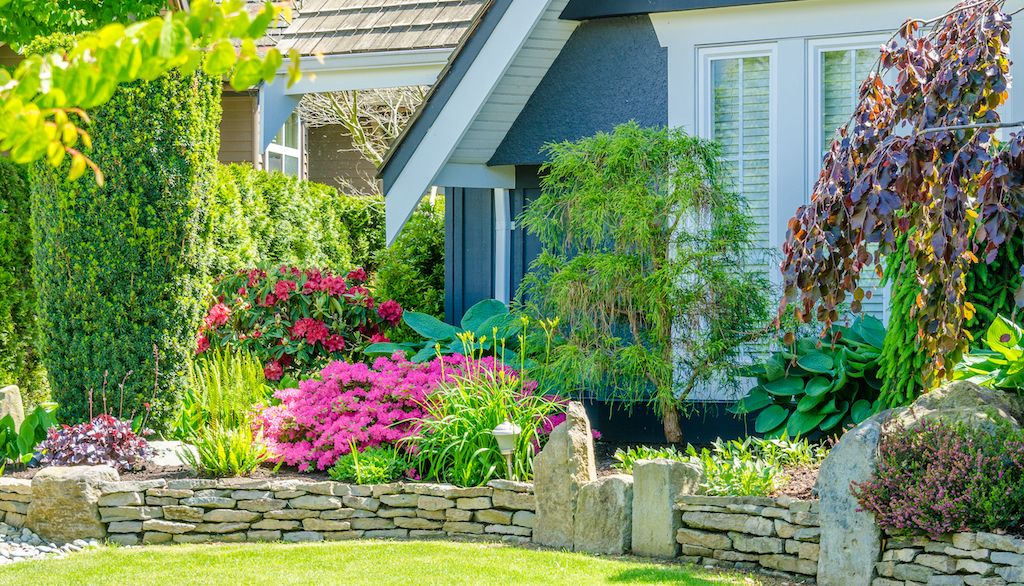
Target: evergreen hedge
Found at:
x=411, y=271
x=119, y=269
x=19, y=361
x=259, y=217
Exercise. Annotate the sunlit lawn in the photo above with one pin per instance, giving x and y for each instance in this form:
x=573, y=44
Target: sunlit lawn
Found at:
x=409, y=563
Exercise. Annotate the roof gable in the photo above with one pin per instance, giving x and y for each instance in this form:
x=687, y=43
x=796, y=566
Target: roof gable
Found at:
x=589, y=9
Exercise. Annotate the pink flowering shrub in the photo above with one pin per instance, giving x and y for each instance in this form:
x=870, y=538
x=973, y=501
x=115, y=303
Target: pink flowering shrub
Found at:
x=371, y=406
x=939, y=478
x=296, y=321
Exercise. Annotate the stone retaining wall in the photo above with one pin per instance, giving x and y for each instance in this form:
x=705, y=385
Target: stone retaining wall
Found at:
x=776, y=535
x=961, y=559
x=237, y=510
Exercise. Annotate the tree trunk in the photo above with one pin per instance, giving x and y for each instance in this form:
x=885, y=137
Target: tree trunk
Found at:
x=670, y=421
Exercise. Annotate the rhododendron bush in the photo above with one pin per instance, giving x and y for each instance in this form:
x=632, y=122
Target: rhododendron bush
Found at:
x=296, y=320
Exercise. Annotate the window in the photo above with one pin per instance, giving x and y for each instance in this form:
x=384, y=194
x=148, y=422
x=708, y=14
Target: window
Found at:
x=840, y=71
x=284, y=153
x=737, y=105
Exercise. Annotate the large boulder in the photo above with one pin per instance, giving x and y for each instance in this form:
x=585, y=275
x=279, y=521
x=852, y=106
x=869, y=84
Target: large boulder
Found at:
x=604, y=515
x=564, y=465
x=851, y=542
x=656, y=485
x=64, y=502
x=963, y=402
x=10, y=404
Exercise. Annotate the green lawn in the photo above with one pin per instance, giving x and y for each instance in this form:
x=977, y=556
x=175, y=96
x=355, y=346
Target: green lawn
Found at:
x=406, y=563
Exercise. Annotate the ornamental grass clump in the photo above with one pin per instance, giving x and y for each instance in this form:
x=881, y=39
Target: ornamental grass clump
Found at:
x=940, y=478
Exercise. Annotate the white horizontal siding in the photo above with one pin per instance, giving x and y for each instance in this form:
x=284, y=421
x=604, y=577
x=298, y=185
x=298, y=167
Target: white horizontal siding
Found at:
x=507, y=100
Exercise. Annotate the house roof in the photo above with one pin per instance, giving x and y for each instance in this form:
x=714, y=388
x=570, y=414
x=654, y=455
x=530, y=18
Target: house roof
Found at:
x=590, y=9
x=335, y=27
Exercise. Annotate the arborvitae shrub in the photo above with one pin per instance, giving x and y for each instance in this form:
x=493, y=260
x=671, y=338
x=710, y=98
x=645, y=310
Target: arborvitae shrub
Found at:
x=119, y=269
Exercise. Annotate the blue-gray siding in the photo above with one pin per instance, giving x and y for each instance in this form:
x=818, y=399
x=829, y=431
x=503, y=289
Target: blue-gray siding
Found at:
x=468, y=249
x=611, y=71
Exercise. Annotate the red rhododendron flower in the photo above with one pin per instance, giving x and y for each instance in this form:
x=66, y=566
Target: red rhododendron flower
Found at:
x=358, y=275
x=390, y=311
x=256, y=334
x=283, y=288
x=273, y=370
x=202, y=344
x=335, y=343
x=379, y=339
x=217, y=316
x=267, y=301
x=311, y=329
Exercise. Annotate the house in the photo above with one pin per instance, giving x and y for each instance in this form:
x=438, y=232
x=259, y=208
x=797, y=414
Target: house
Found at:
x=769, y=79
x=344, y=45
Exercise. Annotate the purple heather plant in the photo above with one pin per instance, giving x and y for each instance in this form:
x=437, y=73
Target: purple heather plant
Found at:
x=104, y=440
x=941, y=478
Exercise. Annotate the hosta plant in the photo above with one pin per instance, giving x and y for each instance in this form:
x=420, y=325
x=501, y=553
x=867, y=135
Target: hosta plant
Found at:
x=1001, y=365
x=625, y=459
x=295, y=320
x=818, y=385
x=104, y=440
x=18, y=444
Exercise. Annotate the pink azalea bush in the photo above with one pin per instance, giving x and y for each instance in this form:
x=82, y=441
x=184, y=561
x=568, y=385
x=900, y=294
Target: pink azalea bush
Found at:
x=296, y=320
x=352, y=403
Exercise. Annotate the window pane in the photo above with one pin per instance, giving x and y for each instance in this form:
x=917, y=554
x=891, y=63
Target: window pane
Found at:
x=288, y=136
x=274, y=161
x=740, y=103
x=291, y=165
x=842, y=73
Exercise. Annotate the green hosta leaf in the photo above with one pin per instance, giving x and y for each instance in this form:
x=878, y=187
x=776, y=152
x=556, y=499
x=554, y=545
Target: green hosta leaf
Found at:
x=770, y=418
x=774, y=368
x=800, y=423
x=481, y=312
x=427, y=354
x=831, y=421
x=860, y=411
x=385, y=348
x=810, y=403
x=785, y=386
x=818, y=386
x=871, y=329
x=816, y=362
x=756, y=400
x=429, y=326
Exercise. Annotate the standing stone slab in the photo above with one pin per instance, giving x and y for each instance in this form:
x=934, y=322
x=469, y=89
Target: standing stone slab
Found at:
x=564, y=465
x=10, y=404
x=604, y=515
x=656, y=485
x=65, y=502
x=851, y=542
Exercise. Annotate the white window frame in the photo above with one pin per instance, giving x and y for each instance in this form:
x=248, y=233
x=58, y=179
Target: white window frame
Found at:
x=815, y=49
x=284, y=151
x=705, y=124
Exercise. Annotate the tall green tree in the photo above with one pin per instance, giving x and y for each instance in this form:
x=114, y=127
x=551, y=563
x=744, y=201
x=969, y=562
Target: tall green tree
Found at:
x=644, y=262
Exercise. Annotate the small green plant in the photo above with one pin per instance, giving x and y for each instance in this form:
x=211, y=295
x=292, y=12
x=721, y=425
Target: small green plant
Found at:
x=455, y=444
x=225, y=451
x=1001, y=366
x=818, y=385
x=223, y=388
x=18, y=444
x=626, y=458
x=378, y=465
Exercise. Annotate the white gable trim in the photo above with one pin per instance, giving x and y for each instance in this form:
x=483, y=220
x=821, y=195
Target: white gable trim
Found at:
x=441, y=139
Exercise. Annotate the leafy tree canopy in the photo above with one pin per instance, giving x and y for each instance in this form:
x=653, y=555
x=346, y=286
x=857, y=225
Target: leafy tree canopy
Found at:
x=920, y=158
x=43, y=103
x=23, y=20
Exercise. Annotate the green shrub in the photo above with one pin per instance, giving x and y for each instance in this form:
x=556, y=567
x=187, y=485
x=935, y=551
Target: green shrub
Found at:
x=753, y=467
x=258, y=217
x=119, y=267
x=226, y=451
x=411, y=271
x=19, y=359
x=626, y=459
x=378, y=465
x=223, y=388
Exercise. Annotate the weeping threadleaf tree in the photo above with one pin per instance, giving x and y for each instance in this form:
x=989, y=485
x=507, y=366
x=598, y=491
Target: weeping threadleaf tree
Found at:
x=644, y=262
x=920, y=158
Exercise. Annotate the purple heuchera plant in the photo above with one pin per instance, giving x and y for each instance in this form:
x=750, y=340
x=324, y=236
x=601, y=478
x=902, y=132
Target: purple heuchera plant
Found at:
x=939, y=478
x=104, y=440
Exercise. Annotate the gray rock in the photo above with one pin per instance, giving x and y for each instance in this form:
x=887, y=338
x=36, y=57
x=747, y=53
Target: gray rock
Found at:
x=564, y=465
x=851, y=542
x=657, y=484
x=963, y=402
x=604, y=515
x=10, y=404
x=64, y=502
x=494, y=517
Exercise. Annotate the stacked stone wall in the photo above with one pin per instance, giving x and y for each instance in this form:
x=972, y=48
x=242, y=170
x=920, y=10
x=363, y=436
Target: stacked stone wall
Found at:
x=960, y=559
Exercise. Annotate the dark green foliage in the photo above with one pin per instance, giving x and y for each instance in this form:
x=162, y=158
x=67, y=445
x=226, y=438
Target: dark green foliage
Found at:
x=991, y=289
x=23, y=20
x=902, y=362
x=644, y=261
x=818, y=385
x=377, y=465
x=258, y=217
x=19, y=360
x=411, y=271
x=119, y=268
